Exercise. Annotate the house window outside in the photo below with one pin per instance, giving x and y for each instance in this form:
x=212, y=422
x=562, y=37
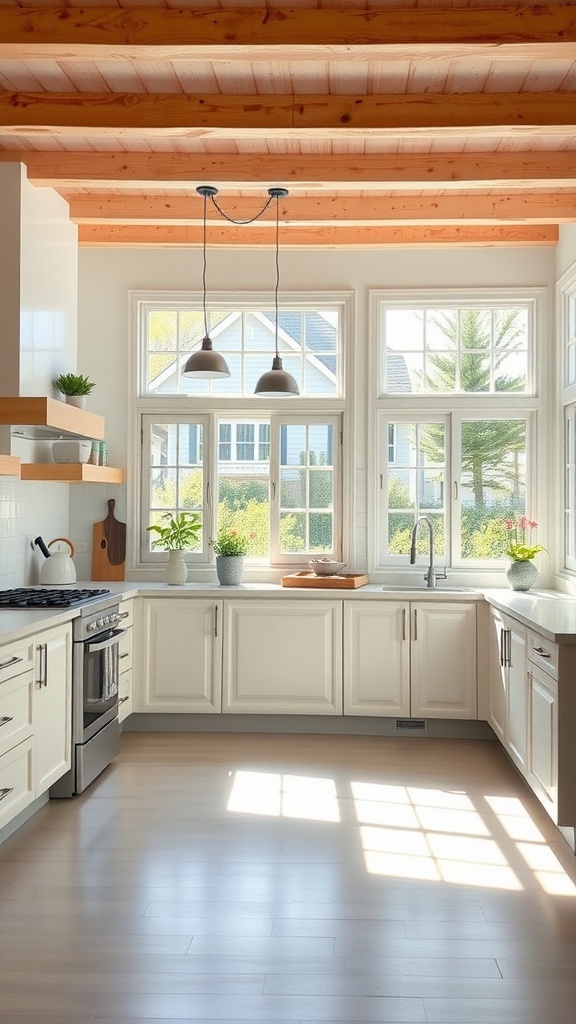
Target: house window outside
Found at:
x=457, y=397
x=277, y=476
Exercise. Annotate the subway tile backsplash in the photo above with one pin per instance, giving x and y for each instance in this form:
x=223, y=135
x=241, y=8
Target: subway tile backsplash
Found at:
x=26, y=510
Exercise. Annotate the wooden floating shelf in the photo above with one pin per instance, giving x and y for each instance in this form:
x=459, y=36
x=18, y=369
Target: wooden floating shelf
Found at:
x=9, y=465
x=72, y=473
x=52, y=416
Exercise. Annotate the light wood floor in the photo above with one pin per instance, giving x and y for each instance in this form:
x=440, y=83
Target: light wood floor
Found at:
x=291, y=879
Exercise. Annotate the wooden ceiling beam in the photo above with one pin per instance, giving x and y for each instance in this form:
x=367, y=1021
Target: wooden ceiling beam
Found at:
x=340, y=211
x=63, y=32
x=166, y=236
x=367, y=172
x=145, y=115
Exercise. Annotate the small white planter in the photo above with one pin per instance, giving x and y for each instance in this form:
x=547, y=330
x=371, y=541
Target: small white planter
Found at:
x=78, y=400
x=176, y=571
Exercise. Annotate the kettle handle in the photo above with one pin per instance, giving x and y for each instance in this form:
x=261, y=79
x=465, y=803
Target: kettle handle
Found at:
x=66, y=541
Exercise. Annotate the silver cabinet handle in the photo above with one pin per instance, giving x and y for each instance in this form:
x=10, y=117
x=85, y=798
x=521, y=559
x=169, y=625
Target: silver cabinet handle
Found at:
x=5, y=720
x=403, y=623
x=122, y=615
x=541, y=652
x=502, y=646
x=124, y=656
x=11, y=661
x=6, y=791
x=415, y=624
x=508, y=647
x=122, y=699
x=215, y=620
x=41, y=648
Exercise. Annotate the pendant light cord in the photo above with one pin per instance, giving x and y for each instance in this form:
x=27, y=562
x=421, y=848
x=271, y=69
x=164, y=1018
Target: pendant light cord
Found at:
x=277, y=268
x=250, y=220
x=204, y=272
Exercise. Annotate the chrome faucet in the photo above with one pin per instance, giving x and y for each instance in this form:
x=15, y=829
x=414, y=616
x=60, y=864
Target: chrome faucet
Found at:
x=431, y=576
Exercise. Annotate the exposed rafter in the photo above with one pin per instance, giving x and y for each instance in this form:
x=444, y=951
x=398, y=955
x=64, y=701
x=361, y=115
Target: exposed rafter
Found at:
x=336, y=171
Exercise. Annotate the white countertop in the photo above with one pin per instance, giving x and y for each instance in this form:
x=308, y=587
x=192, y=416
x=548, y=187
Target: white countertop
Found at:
x=549, y=612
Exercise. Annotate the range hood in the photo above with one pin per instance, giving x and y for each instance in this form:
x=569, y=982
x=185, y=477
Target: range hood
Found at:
x=47, y=419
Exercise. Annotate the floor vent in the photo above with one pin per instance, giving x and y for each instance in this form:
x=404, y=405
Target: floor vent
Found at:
x=410, y=725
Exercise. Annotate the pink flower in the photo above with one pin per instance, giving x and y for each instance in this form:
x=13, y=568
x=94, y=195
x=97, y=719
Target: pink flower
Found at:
x=523, y=522
x=532, y=524
x=509, y=524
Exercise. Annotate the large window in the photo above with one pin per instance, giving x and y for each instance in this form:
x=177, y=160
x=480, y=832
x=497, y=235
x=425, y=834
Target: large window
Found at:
x=567, y=355
x=271, y=469
x=456, y=407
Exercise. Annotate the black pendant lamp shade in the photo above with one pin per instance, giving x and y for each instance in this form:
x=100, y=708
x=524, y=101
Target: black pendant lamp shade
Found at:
x=276, y=382
x=205, y=362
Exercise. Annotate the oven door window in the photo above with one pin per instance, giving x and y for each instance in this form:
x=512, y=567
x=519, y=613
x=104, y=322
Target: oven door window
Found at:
x=100, y=676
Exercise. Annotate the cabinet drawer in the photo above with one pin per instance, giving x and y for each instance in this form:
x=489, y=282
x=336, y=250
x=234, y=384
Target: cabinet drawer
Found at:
x=126, y=614
x=16, y=781
x=125, y=647
x=125, y=695
x=16, y=711
x=16, y=658
x=544, y=653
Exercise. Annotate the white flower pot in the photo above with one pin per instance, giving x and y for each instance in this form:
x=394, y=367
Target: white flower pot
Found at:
x=176, y=571
x=78, y=400
x=521, y=575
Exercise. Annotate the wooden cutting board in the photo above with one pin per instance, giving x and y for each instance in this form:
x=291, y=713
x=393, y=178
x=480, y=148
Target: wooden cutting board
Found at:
x=109, y=547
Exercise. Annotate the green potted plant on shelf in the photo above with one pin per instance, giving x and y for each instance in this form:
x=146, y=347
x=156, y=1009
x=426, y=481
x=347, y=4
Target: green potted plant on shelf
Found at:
x=178, y=533
x=230, y=547
x=75, y=387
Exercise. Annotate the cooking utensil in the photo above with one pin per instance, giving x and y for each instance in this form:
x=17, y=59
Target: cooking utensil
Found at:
x=40, y=544
x=58, y=569
x=109, y=547
x=326, y=566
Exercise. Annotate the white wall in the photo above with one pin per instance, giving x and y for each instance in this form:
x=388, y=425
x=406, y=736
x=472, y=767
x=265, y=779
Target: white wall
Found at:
x=26, y=510
x=107, y=275
x=566, y=249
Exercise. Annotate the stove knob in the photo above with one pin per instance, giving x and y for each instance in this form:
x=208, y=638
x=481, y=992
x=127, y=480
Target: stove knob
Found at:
x=106, y=620
x=100, y=622
x=91, y=627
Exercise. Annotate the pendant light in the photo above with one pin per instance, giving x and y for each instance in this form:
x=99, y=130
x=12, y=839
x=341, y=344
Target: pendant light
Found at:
x=277, y=382
x=205, y=362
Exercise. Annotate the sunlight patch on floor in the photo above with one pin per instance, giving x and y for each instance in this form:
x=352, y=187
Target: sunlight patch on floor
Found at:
x=288, y=796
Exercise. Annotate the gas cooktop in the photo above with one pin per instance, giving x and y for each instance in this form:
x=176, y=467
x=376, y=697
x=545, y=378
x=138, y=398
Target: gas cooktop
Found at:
x=29, y=597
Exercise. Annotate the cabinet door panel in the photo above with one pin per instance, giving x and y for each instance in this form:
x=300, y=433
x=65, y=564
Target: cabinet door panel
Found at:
x=52, y=706
x=443, y=660
x=543, y=746
x=183, y=662
x=283, y=657
x=498, y=699
x=517, y=736
x=376, y=658
x=16, y=710
x=16, y=781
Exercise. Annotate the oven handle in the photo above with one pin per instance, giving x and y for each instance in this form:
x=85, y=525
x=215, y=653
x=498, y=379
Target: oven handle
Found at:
x=102, y=645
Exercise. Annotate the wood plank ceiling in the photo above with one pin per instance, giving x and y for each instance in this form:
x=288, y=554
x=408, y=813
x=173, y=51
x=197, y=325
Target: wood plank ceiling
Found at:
x=421, y=123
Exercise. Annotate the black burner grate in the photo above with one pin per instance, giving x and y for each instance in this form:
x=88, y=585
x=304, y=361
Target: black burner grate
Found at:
x=28, y=597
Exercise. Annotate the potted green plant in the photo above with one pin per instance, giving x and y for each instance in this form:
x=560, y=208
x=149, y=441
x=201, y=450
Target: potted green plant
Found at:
x=75, y=387
x=521, y=573
x=230, y=547
x=180, y=533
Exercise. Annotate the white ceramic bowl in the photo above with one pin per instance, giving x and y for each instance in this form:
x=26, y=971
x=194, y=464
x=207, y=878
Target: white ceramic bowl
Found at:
x=325, y=566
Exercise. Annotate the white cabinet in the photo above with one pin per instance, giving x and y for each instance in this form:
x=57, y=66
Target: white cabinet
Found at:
x=126, y=658
x=283, y=656
x=16, y=728
x=508, y=711
x=376, y=658
x=182, y=668
x=415, y=659
x=52, y=705
x=443, y=660
x=543, y=736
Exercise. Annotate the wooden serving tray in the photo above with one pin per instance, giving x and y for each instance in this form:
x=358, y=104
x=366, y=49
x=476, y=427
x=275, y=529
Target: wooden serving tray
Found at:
x=345, y=581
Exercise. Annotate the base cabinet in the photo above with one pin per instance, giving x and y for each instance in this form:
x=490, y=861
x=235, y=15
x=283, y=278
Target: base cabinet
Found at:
x=182, y=668
x=508, y=709
x=126, y=652
x=543, y=736
x=415, y=659
x=282, y=657
x=52, y=706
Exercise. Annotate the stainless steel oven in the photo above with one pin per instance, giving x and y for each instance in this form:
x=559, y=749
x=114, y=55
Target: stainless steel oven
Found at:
x=95, y=673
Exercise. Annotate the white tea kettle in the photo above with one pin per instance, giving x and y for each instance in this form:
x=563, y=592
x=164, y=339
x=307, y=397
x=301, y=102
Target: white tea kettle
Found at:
x=59, y=569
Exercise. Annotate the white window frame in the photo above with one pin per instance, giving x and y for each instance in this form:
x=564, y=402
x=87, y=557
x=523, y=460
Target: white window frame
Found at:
x=455, y=407
x=301, y=409
x=566, y=321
